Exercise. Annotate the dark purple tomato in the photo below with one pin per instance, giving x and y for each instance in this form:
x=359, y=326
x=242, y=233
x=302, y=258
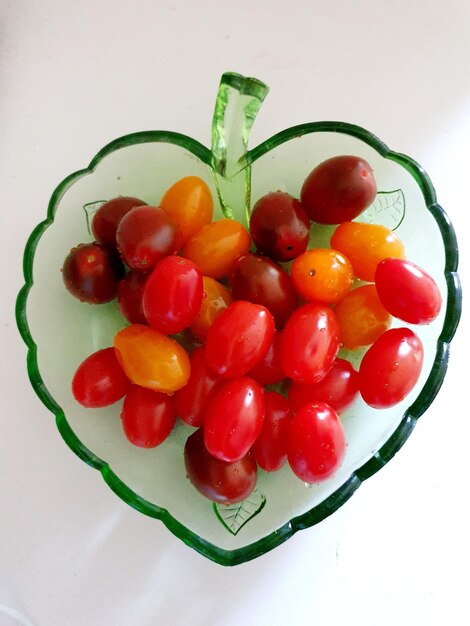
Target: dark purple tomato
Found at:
x=279, y=226
x=130, y=291
x=92, y=273
x=147, y=416
x=258, y=279
x=407, y=291
x=338, y=190
x=217, y=480
x=173, y=295
x=317, y=443
x=146, y=235
x=107, y=217
x=234, y=419
x=390, y=368
x=269, y=370
x=270, y=448
x=100, y=380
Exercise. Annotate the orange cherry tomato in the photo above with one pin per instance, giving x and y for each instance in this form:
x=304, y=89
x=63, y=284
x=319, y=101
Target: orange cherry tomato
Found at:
x=362, y=317
x=152, y=360
x=322, y=275
x=216, y=247
x=216, y=298
x=366, y=245
x=189, y=202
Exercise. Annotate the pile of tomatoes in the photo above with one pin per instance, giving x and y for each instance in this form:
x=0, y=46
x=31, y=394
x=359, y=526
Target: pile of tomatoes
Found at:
x=236, y=332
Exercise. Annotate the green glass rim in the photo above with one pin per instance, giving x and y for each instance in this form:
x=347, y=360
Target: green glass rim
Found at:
x=376, y=462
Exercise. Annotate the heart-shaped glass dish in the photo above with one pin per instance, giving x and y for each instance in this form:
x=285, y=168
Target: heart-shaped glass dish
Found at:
x=60, y=331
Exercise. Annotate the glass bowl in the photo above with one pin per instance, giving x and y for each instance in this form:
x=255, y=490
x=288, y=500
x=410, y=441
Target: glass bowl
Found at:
x=60, y=331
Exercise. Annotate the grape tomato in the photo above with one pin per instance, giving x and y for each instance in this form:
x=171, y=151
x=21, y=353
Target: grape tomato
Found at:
x=189, y=202
x=270, y=448
x=100, y=380
x=147, y=416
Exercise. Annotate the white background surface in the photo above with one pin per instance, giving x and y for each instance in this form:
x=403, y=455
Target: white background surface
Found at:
x=76, y=75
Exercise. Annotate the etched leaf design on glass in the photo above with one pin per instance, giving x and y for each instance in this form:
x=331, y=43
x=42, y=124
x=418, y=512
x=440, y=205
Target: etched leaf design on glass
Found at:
x=388, y=209
x=235, y=516
x=90, y=209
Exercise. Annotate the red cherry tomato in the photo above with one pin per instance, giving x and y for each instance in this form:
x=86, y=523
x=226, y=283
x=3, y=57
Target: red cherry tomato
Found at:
x=338, y=388
x=217, y=480
x=270, y=448
x=130, y=291
x=239, y=338
x=147, y=416
x=100, y=380
x=338, y=189
x=269, y=370
x=172, y=295
x=106, y=219
x=317, y=443
x=192, y=400
x=390, y=368
x=234, y=419
x=258, y=279
x=407, y=291
x=310, y=342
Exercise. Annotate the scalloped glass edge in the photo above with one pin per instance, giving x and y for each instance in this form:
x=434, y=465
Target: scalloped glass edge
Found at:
x=375, y=463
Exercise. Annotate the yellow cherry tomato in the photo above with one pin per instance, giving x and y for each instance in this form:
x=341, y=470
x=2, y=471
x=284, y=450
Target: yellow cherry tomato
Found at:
x=216, y=298
x=322, y=275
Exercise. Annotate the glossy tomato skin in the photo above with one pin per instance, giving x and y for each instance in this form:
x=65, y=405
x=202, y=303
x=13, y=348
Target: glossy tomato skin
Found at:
x=216, y=247
x=239, y=338
x=317, y=443
x=270, y=448
x=322, y=275
x=269, y=370
x=172, y=295
x=106, y=219
x=338, y=189
x=189, y=202
x=279, y=226
x=152, y=360
x=91, y=273
x=390, y=368
x=407, y=291
x=310, y=342
x=215, y=299
x=145, y=236
x=147, y=416
x=226, y=483
x=338, y=389
x=100, y=380
x=258, y=279
x=365, y=245
x=234, y=419
x=192, y=400
x=130, y=292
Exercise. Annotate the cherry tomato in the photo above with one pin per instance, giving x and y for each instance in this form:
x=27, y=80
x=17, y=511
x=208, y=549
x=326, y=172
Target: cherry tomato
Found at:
x=217, y=480
x=317, y=443
x=100, y=380
x=338, y=389
x=106, y=219
x=215, y=299
x=145, y=236
x=362, y=318
x=269, y=370
x=322, y=275
x=338, y=189
x=189, y=202
x=92, y=272
x=365, y=245
x=234, y=419
x=270, y=448
x=152, y=360
x=130, y=291
x=147, y=416
x=390, y=368
x=279, y=226
x=407, y=291
x=172, y=295
x=310, y=342
x=258, y=279
x=192, y=400
x=239, y=338
x=216, y=247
